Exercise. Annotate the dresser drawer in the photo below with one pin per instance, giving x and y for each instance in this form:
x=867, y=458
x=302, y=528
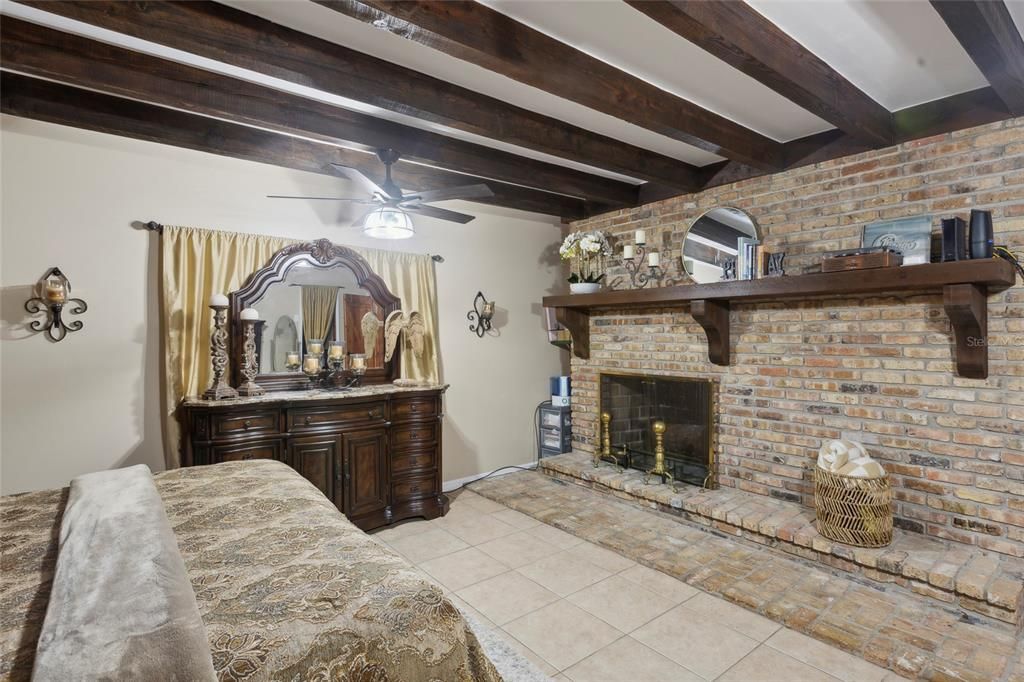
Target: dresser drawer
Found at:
x=244, y=423
x=414, y=408
x=415, y=461
x=413, y=488
x=260, y=449
x=411, y=435
x=319, y=418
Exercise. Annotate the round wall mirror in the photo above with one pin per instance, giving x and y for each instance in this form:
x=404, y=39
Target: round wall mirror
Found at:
x=712, y=239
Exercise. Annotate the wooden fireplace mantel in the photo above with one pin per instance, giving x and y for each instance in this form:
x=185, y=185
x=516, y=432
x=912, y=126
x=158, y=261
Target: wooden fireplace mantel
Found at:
x=965, y=286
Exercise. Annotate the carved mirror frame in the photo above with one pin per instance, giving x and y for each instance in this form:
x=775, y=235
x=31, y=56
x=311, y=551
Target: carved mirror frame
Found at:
x=324, y=255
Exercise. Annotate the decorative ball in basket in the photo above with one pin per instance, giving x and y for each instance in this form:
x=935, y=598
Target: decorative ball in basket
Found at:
x=852, y=496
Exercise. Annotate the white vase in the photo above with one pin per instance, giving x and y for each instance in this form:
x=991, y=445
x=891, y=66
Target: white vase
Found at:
x=585, y=287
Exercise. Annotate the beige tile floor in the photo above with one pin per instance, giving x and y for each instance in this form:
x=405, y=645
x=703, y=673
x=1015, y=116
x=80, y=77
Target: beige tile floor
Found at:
x=586, y=614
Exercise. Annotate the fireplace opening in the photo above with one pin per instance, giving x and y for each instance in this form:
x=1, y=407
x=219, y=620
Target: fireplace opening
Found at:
x=635, y=402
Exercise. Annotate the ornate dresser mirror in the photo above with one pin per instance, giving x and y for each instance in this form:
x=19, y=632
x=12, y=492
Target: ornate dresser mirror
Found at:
x=320, y=292
x=712, y=240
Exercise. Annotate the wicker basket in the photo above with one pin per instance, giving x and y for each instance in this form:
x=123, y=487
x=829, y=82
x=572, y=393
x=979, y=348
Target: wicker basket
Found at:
x=854, y=511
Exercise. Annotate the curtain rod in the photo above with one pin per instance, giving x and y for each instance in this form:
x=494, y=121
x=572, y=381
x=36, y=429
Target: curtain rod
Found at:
x=154, y=226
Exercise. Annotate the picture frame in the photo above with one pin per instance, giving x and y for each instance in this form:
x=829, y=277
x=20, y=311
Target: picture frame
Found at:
x=910, y=236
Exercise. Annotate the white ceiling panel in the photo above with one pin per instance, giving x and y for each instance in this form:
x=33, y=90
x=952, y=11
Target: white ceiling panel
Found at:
x=617, y=34
x=319, y=21
x=899, y=52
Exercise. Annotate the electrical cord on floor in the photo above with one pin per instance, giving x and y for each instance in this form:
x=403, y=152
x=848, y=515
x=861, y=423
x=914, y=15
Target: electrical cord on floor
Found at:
x=536, y=462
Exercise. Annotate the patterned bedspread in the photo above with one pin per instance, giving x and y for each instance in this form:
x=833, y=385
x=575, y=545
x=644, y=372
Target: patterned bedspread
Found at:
x=287, y=587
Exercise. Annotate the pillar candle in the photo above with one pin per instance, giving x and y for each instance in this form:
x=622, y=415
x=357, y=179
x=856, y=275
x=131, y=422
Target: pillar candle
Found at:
x=55, y=292
x=315, y=347
x=628, y=252
x=336, y=351
x=311, y=364
x=654, y=259
x=291, y=359
x=640, y=237
x=219, y=300
x=357, y=361
x=249, y=314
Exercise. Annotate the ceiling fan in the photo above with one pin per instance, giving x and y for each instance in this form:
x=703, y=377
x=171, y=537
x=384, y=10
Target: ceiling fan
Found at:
x=389, y=219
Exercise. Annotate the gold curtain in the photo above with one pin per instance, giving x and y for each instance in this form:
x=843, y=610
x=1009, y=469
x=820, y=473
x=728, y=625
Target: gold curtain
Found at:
x=197, y=263
x=411, y=277
x=318, y=306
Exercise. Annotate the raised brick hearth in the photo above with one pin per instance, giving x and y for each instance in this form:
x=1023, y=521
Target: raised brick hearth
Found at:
x=979, y=582
x=877, y=369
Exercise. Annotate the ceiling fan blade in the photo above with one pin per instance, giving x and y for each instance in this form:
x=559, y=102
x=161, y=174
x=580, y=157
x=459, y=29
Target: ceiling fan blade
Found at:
x=479, y=191
x=353, y=201
x=355, y=175
x=439, y=213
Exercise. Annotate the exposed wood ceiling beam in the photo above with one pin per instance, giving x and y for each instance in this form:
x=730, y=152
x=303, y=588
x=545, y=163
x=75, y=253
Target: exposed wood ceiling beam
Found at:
x=483, y=36
x=966, y=110
x=740, y=36
x=40, y=51
x=235, y=37
x=987, y=32
x=66, y=105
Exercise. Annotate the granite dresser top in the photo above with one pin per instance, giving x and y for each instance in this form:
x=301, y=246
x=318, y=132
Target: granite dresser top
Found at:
x=371, y=391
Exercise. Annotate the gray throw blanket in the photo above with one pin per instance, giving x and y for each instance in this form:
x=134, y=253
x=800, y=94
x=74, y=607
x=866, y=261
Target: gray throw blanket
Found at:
x=121, y=606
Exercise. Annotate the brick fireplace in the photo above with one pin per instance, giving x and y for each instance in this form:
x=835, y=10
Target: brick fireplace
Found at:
x=685, y=405
x=877, y=369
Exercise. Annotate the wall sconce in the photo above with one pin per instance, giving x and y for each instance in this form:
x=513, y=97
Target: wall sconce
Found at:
x=56, y=293
x=482, y=312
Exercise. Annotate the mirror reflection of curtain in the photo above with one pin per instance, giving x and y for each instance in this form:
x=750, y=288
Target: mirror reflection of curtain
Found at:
x=318, y=305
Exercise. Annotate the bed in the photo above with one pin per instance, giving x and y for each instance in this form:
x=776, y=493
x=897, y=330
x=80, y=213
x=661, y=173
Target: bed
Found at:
x=285, y=586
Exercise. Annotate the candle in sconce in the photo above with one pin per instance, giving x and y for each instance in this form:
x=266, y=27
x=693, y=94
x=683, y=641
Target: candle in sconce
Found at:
x=249, y=314
x=628, y=251
x=357, y=362
x=219, y=301
x=654, y=259
x=640, y=237
x=336, y=351
x=311, y=365
x=315, y=347
x=55, y=292
x=291, y=359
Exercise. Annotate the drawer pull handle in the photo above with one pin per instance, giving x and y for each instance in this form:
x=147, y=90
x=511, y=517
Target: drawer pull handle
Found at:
x=309, y=420
x=374, y=414
x=247, y=455
x=415, y=435
x=415, y=407
x=247, y=423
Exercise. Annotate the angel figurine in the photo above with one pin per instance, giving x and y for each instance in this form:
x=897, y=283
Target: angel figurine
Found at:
x=371, y=325
x=412, y=325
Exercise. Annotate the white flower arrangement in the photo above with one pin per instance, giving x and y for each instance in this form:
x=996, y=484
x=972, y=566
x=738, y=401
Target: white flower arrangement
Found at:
x=588, y=250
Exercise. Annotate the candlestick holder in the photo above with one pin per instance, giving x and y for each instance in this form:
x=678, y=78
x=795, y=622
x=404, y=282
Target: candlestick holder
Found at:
x=250, y=364
x=635, y=268
x=56, y=293
x=219, y=388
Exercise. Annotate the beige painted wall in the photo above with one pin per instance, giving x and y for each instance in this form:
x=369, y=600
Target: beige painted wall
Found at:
x=92, y=401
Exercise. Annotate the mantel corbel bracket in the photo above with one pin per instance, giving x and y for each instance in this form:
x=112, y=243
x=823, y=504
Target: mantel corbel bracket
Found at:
x=578, y=324
x=713, y=316
x=966, y=306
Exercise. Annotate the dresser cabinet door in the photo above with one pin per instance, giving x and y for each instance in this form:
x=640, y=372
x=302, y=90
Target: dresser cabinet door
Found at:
x=314, y=457
x=365, y=471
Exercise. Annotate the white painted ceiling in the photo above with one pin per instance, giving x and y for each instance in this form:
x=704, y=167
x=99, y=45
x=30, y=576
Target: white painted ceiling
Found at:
x=898, y=51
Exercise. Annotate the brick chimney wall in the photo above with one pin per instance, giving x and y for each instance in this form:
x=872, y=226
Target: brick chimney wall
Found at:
x=876, y=368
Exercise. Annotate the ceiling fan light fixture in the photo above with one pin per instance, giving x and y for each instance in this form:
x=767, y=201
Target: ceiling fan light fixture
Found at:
x=388, y=223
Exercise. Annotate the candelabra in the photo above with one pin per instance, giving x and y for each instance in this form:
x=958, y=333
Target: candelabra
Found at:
x=334, y=375
x=659, y=455
x=634, y=258
x=219, y=388
x=250, y=364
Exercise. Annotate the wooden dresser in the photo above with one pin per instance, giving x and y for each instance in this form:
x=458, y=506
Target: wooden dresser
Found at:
x=375, y=452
